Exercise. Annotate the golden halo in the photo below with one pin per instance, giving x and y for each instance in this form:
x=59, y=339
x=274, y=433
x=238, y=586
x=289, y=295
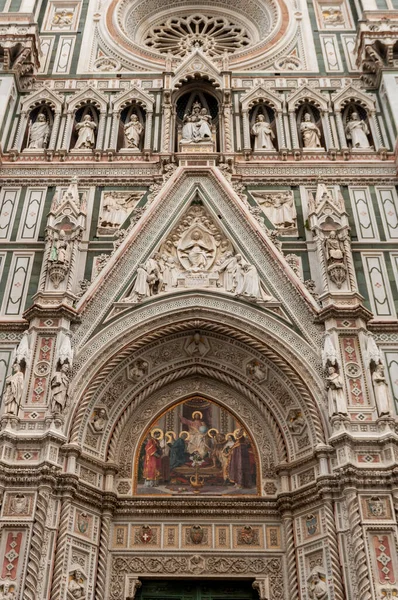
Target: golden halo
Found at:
x=212, y=429
x=157, y=430
x=170, y=434
x=197, y=412
x=236, y=436
x=228, y=434
x=185, y=433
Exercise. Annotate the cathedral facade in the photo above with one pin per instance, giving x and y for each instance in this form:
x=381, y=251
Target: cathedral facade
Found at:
x=198, y=300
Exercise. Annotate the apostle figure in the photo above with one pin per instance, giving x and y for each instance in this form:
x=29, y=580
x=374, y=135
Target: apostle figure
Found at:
x=133, y=131
x=334, y=248
x=39, y=133
x=60, y=249
x=250, y=283
x=239, y=469
x=263, y=134
x=337, y=401
x=228, y=266
x=59, y=389
x=197, y=434
x=152, y=461
x=178, y=451
x=381, y=391
x=13, y=390
x=310, y=133
x=170, y=272
x=76, y=586
x=285, y=210
x=141, y=287
x=357, y=131
x=317, y=589
x=99, y=421
x=86, y=136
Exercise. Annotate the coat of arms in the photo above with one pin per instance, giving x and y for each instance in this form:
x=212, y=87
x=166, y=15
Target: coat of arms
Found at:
x=376, y=507
x=311, y=522
x=146, y=534
x=247, y=535
x=196, y=534
x=82, y=523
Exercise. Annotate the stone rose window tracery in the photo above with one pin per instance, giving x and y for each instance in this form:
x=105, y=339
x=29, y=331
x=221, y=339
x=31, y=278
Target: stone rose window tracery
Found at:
x=214, y=35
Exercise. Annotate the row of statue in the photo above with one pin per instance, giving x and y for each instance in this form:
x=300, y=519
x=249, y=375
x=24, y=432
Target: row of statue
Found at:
x=197, y=128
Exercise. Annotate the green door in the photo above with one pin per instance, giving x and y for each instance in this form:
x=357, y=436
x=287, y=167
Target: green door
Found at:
x=196, y=590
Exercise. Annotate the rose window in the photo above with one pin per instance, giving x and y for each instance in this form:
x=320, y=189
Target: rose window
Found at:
x=214, y=35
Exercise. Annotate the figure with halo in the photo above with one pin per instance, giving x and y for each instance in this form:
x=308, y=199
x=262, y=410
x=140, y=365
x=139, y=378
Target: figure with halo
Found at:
x=263, y=134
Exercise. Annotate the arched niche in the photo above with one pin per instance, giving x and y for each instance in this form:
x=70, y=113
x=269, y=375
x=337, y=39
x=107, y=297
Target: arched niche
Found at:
x=39, y=140
x=81, y=113
x=264, y=111
x=365, y=134
x=125, y=117
x=315, y=118
x=196, y=446
x=192, y=98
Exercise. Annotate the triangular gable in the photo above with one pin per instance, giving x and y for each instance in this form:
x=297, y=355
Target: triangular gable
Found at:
x=306, y=94
x=88, y=94
x=219, y=198
x=196, y=64
x=260, y=94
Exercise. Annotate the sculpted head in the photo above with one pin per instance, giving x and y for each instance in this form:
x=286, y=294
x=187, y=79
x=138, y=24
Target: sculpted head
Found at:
x=134, y=118
x=260, y=118
x=307, y=117
x=41, y=118
x=354, y=116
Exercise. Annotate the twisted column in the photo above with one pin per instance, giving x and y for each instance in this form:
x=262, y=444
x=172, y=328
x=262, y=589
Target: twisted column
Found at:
x=166, y=127
x=100, y=585
x=115, y=130
x=101, y=130
x=291, y=558
x=59, y=569
x=68, y=130
x=148, y=131
x=23, y=119
x=293, y=130
x=340, y=129
x=280, y=130
x=246, y=130
x=227, y=128
x=32, y=570
x=334, y=550
x=54, y=133
x=360, y=562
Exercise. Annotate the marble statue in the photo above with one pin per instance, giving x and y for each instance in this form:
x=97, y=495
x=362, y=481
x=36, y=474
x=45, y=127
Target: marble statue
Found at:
x=317, y=589
x=99, y=421
x=86, y=133
x=13, y=390
x=263, y=134
x=39, y=133
x=76, y=586
x=141, y=287
x=133, y=131
x=357, y=131
x=334, y=248
x=381, y=391
x=59, y=390
x=60, y=250
x=310, y=133
x=336, y=396
x=116, y=208
x=249, y=283
x=6, y=593
x=197, y=125
x=228, y=266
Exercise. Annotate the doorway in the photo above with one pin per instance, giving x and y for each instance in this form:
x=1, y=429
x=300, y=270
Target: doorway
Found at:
x=196, y=590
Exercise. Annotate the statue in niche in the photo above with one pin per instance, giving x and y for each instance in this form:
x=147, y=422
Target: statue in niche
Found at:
x=86, y=133
x=263, y=134
x=13, y=390
x=39, y=133
x=59, y=390
x=76, y=586
x=336, y=396
x=357, y=131
x=317, y=588
x=197, y=125
x=6, y=593
x=133, y=131
x=99, y=421
x=310, y=133
x=381, y=391
x=334, y=246
x=60, y=251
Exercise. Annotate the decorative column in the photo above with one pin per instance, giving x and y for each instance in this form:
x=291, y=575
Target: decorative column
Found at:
x=32, y=572
x=333, y=549
x=261, y=584
x=23, y=121
x=100, y=586
x=280, y=130
x=327, y=130
x=340, y=130
x=246, y=130
x=286, y=129
x=133, y=584
x=374, y=128
x=54, y=132
x=291, y=564
x=227, y=121
x=148, y=132
x=293, y=130
x=166, y=110
x=114, y=130
x=360, y=559
x=60, y=553
x=68, y=130
x=101, y=131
